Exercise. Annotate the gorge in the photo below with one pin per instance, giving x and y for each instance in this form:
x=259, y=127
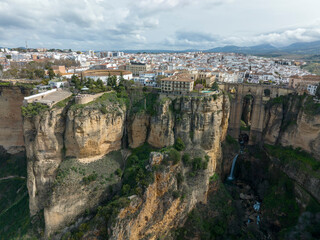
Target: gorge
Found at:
x=136, y=164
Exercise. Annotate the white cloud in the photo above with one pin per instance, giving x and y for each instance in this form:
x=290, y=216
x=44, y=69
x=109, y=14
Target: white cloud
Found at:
x=286, y=37
x=127, y=24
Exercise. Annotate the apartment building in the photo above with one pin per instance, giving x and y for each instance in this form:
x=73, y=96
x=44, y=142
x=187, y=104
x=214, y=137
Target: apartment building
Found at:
x=177, y=84
x=206, y=77
x=307, y=83
x=137, y=67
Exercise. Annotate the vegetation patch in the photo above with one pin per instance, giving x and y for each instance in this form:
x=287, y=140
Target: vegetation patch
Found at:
x=279, y=203
x=296, y=157
x=147, y=103
x=135, y=174
x=15, y=222
x=108, y=102
x=310, y=107
x=179, y=144
x=33, y=109
x=212, y=220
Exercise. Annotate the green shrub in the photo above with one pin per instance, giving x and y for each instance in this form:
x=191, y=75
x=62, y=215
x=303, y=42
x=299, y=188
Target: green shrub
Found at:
x=180, y=179
x=179, y=144
x=197, y=163
x=174, y=156
x=118, y=172
x=126, y=189
x=186, y=159
x=175, y=194
x=92, y=177
x=33, y=109
x=135, y=174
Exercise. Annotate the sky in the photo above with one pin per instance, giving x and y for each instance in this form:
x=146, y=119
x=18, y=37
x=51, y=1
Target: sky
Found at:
x=157, y=24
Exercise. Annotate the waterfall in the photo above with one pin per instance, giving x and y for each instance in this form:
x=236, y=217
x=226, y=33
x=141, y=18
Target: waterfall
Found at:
x=231, y=177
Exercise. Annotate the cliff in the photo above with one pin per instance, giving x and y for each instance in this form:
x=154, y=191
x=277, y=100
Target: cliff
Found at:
x=201, y=123
x=11, y=98
x=80, y=134
x=74, y=160
x=293, y=121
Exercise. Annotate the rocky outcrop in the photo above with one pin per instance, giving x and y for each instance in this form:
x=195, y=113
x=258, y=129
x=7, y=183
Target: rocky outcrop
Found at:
x=166, y=203
x=138, y=129
x=11, y=137
x=86, y=133
x=289, y=124
x=43, y=136
x=161, y=126
x=309, y=182
x=91, y=134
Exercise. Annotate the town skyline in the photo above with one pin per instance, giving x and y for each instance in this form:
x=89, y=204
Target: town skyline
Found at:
x=157, y=24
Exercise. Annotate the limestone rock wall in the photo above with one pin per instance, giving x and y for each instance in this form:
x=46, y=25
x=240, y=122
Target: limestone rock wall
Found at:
x=43, y=137
x=138, y=129
x=87, y=133
x=91, y=134
x=290, y=125
x=158, y=211
x=11, y=137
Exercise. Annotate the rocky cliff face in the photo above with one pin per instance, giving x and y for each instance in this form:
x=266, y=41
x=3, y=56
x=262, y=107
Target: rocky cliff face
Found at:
x=290, y=123
x=91, y=134
x=295, y=121
x=62, y=141
x=79, y=132
x=201, y=124
x=11, y=137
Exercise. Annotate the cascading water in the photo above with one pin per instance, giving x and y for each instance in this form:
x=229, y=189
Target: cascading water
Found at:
x=231, y=177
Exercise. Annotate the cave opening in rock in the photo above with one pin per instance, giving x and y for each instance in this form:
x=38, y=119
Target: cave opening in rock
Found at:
x=246, y=114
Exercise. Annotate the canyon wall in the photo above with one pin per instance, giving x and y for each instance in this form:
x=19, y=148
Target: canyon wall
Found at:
x=293, y=121
x=52, y=137
x=202, y=125
x=11, y=137
x=64, y=142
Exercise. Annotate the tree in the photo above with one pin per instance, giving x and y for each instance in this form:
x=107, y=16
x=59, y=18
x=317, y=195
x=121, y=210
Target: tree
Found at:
x=8, y=56
x=215, y=86
x=179, y=144
x=51, y=73
x=112, y=81
x=1, y=67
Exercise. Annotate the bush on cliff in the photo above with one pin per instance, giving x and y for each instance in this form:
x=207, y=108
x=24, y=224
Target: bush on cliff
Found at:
x=135, y=175
x=179, y=144
x=92, y=177
x=33, y=109
x=289, y=155
x=174, y=156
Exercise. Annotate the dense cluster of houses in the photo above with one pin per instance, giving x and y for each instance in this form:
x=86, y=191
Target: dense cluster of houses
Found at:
x=164, y=69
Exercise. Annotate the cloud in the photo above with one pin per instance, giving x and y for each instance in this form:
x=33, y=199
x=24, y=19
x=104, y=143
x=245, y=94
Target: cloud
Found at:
x=163, y=5
x=185, y=39
x=67, y=21
x=200, y=40
x=283, y=38
x=127, y=24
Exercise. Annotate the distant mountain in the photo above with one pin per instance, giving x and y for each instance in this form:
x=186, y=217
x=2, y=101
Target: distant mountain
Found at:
x=295, y=48
x=303, y=48
x=264, y=48
x=153, y=51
